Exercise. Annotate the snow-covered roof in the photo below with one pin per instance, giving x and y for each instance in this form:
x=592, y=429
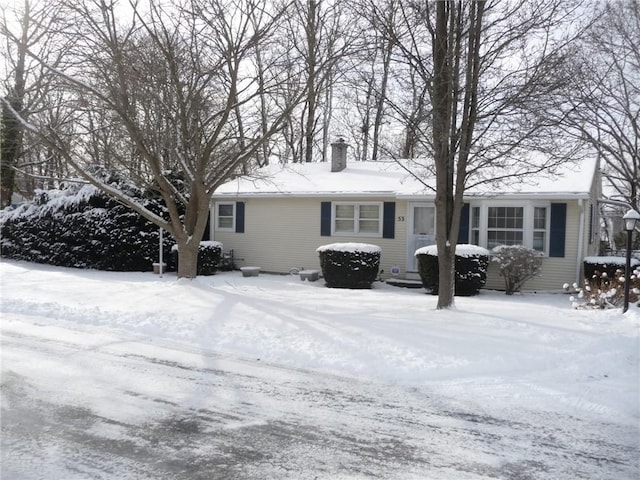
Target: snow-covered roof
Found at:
x=393, y=178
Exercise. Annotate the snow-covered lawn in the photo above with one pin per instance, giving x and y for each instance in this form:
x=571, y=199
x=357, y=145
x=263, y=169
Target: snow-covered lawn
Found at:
x=490, y=354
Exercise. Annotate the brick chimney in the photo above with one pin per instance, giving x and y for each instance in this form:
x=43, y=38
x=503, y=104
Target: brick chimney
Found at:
x=338, y=155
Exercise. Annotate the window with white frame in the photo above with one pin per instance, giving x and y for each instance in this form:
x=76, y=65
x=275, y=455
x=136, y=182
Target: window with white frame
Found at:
x=505, y=226
x=539, y=229
x=364, y=219
x=526, y=224
x=225, y=216
x=475, y=225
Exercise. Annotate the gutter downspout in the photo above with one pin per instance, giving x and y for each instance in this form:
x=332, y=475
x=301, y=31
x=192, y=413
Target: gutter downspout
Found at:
x=580, y=252
x=212, y=219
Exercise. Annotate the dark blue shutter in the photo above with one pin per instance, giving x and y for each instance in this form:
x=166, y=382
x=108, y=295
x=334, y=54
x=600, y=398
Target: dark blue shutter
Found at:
x=325, y=219
x=558, y=229
x=463, y=233
x=389, y=220
x=239, y=217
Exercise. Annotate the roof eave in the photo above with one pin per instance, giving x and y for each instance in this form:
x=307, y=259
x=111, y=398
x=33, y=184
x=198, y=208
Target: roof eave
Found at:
x=406, y=197
x=388, y=194
x=530, y=196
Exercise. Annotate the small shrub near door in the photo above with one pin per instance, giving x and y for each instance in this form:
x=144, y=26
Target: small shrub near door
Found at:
x=471, y=265
x=349, y=265
x=517, y=265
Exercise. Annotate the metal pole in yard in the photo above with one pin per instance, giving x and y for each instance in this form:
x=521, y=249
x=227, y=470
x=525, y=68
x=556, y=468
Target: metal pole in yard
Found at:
x=630, y=218
x=160, y=249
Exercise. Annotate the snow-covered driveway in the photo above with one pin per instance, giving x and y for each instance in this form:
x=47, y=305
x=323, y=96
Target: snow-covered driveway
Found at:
x=105, y=377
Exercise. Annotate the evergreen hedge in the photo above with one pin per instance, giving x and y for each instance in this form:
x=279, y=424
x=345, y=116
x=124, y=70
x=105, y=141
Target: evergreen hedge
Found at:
x=471, y=263
x=595, y=266
x=209, y=255
x=79, y=226
x=349, y=265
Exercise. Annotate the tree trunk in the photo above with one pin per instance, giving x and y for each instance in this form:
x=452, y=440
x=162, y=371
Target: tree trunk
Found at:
x=9, y=153
x=381, y=97
x=310, y=123
x=12, y=130
x=263, y=155
x=410, y=140
x=189, y=231
x=188, y=258
x=442, y=113
x=327, y=113
x=366, y=121
x=452, y=141
x=446, y=277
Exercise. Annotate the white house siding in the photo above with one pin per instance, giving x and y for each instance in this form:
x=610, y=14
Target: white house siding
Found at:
x=281, y=233
x=284, y=232
x=555, y=271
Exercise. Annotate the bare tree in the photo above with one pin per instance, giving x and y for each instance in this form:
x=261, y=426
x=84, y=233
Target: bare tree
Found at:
x=371, y=71
x=267, y=63
x=177, y=81
x=319, y=40
x=32, y=26
x=491, y=70
x=602, y=107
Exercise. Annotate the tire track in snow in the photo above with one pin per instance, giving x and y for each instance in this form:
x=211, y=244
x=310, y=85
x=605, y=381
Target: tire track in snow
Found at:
x=196, y=415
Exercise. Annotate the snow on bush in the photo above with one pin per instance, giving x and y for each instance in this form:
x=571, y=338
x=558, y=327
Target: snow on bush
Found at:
x=517, y=264
x=209, y=254
x=610, y=260
x=462, y=250
x=350, y=247
x=471, y=263
x=608, y=265
x=602, y=291
x=349, y=265
x=78, y=226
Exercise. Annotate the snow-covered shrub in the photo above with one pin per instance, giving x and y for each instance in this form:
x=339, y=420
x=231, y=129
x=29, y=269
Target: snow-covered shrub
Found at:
x=471, y=265
x=349, y=265
x=517, y=265
x=79, y=226
x=209, y=255
x=608, y=265
x=601, y=290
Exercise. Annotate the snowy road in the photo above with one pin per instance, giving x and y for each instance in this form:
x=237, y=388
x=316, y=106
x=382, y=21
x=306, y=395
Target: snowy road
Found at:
x=77, y=405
